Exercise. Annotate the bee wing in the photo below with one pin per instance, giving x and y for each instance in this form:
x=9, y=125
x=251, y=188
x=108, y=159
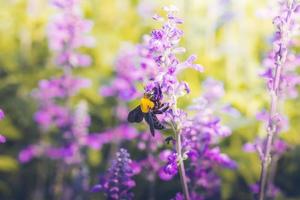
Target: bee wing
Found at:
x=149, y=120
x=156, y=122
x=136, y=115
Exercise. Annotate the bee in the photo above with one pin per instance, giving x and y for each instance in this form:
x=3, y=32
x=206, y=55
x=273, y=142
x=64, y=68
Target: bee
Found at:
x=149, y=107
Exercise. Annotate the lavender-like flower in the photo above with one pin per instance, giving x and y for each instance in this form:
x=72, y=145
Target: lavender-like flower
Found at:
x=281, y=81
x=162, y=47
x=67, y=32
x=118, y=180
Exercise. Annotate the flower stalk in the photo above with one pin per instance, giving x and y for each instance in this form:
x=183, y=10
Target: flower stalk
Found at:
x=180, y=160
x=271, y=131
x=283, y=24
x=181, y=168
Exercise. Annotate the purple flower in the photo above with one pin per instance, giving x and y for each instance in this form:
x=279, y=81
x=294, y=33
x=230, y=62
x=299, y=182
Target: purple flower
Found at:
x=178, y=196
x=217, y=157
x=65, y=152
x=118, y=180
x=53, y=115
x=62, y=87
x=29, y=153
x=122, y=132
x=281, y=81
x=282, y=40
x=2, y=139
x=2, y=115
x=67, y=32
x=171, y=167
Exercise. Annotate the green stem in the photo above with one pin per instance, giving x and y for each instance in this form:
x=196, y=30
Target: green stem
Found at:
x=181, y=169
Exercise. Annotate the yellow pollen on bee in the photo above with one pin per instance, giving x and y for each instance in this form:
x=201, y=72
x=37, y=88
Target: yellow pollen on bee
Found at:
x=146, y=105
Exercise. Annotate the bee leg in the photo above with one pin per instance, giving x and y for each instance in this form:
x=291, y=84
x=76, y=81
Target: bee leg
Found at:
x=149, y=120
x=165, y=108
x=156, y=122
x=157, y=112
x=162, y=109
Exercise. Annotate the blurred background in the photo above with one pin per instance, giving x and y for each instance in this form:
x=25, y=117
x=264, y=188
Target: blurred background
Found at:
x=230, y=38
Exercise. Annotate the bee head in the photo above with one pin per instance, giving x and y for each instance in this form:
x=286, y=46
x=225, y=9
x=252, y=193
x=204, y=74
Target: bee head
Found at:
x=149, y=95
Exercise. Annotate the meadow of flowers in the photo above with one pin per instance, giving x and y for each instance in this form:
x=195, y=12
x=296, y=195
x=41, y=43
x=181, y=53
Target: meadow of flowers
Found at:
x=149, y=99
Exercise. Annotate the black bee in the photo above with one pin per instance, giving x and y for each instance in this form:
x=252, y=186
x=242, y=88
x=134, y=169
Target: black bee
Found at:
x=149, y=107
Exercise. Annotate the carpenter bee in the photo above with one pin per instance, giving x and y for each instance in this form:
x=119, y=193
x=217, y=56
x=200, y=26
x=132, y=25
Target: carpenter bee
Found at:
x=149, y=107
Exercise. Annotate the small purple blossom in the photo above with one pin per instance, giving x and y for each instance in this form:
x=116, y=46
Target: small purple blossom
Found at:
x=53, y=115
x=2, y=139
x=178, y=196
x=2, y=115
x=171, y=167
x=219, y=158
x=29, y=153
